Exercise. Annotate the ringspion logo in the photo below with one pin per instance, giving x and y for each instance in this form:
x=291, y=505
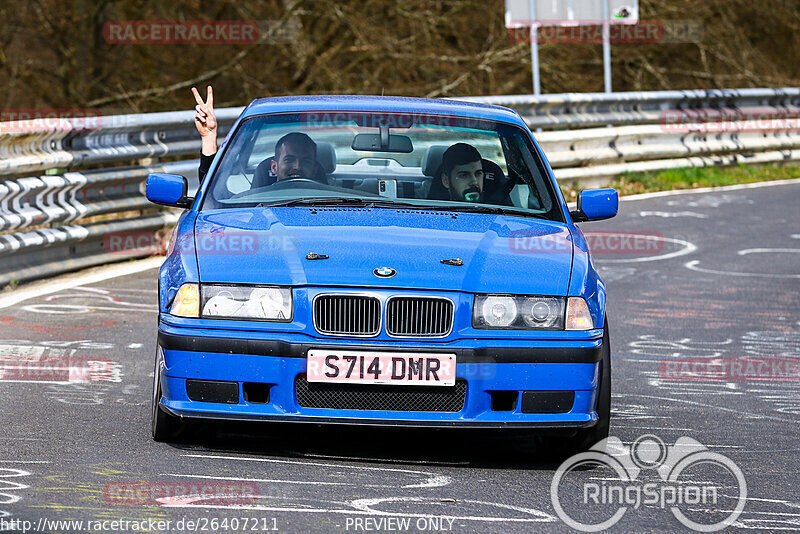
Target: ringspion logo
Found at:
x=704, y=490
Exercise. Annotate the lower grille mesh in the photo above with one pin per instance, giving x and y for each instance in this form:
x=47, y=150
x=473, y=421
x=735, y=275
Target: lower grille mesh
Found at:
x=381, y=397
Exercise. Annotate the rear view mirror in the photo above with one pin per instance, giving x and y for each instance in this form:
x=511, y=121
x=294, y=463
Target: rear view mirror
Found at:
x=596, y=205
x=168, y=190
x=382, y=143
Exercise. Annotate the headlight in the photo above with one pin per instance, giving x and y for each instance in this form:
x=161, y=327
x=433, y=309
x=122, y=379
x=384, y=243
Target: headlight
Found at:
x=498, y=311
x=518, y=312
x=247, y=302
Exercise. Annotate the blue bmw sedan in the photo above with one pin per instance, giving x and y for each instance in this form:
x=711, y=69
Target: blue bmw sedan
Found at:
x=382, y=260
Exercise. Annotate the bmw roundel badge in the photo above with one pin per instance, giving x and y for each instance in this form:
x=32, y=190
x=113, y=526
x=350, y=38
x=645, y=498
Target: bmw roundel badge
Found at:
x=384, y=272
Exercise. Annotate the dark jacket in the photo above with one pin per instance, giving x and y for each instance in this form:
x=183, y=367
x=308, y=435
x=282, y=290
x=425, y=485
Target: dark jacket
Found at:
x=205, y=163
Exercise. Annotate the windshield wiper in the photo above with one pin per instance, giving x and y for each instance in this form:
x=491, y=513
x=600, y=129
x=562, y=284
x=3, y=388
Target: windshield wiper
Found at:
x=313, y=201
x=495, y=210
x=344, y=201
x=386, y=203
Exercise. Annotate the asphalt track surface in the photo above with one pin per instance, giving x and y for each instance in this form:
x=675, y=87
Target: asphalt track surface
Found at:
x=723, y=284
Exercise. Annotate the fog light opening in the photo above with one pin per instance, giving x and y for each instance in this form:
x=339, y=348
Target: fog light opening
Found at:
x=255, y=393
x=547, y=401
x=504, y=401
x=213, y=391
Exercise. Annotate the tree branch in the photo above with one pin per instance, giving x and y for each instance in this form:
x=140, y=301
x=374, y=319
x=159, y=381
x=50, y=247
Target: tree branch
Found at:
x=159, y=91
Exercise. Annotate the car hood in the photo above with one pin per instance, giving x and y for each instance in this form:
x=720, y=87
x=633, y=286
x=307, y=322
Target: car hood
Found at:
x=270, y=246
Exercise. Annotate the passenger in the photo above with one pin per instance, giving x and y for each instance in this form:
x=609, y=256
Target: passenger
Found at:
x=462, y=173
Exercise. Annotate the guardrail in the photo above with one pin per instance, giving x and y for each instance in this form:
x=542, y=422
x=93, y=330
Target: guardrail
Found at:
x=40, y=234
x=585, y=110
x=59, y=221
x=595, y=156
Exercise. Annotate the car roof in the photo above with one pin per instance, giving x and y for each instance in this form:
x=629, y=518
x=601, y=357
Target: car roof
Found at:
x=397, y=104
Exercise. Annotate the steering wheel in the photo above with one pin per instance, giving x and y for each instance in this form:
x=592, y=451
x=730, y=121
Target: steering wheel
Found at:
x=294, y=181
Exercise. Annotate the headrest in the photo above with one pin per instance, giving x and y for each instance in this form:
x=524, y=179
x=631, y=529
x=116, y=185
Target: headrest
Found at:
x=433, y=159
x=326, y=157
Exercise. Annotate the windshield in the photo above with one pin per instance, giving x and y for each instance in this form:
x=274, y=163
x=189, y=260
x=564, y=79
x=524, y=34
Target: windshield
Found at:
x=430, y=162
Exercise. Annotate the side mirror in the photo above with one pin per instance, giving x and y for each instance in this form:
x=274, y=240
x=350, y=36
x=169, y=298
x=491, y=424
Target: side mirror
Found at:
x=596, y=205
x=168, y=190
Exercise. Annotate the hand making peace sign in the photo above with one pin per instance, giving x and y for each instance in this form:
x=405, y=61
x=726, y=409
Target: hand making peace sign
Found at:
x=204, y=118
x=206, y=121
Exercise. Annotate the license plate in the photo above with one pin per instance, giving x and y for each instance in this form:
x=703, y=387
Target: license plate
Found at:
x=381, y=368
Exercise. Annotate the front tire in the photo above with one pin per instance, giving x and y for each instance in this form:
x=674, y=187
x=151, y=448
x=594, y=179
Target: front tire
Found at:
x=165, y=426
x=585, y=438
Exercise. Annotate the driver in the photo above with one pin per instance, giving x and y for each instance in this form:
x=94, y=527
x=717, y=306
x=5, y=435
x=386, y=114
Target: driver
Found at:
x=295, y=156
x=462, y=173
x=295, y=153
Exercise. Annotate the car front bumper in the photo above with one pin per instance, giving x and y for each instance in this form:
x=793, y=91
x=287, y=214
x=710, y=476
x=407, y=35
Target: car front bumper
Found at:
x=485, y=368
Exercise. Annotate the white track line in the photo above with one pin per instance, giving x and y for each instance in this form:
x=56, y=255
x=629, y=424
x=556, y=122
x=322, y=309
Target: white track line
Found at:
x=693, y=266
x=433, y=480
x=767, y=250
x=688, y=248
x=736, y=187
x=105, y=273
x=269, y=480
